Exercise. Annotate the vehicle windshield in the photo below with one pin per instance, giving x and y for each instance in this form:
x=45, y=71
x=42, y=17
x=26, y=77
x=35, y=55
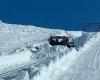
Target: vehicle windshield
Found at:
x=57, y=39
x=53, y=39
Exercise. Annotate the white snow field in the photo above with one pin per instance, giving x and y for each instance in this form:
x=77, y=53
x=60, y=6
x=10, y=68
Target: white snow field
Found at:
x=81, y=65
x=26, y=55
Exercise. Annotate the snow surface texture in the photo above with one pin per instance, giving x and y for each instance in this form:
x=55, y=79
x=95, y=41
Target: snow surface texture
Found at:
x=26, y=54
x=81, y=65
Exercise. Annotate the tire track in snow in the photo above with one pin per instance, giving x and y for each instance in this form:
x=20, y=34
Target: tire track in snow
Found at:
x=98, y=59
x=87, y=66
x=91, y=57
x=95, y=63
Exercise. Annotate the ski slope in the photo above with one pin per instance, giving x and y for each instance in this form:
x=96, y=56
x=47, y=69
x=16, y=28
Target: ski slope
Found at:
x=25, y=54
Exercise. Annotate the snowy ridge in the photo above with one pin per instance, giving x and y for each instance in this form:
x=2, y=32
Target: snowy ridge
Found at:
x=25, y=51
x=20, y=36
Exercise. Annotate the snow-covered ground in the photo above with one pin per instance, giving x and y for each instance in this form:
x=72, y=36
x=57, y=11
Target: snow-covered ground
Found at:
x=25, y=54
x=14, y=61
x=81, y=65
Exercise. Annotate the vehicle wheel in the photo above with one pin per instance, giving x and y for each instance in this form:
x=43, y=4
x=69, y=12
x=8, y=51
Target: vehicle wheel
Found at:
x=68, y=46
x=52, y=44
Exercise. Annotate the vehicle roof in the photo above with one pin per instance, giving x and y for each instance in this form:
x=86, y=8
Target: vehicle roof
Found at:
x=58, y=36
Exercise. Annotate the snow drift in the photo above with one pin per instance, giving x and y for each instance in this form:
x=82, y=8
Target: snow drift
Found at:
x=25, y=54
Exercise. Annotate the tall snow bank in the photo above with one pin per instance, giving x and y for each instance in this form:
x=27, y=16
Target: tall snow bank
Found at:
x=15, y=36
